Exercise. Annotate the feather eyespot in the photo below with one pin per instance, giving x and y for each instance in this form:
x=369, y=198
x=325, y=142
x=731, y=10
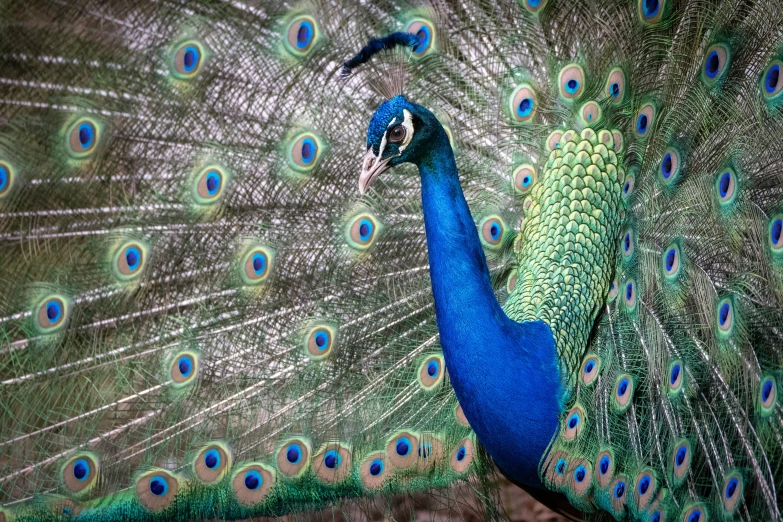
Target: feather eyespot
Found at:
x=209, y=185
x=212, y=463
x=128, y=260
x=629, y=294
x=156, y=489
x=553, y=140
x=332, y=463
x=772, y=80
x=462, y=456
x=675, y=377
x=83, y=137
x=733, y=488
x=724, y=317
x=624, y=389
x=604, y=468
x=725, y=187
x=511, y=283
x=696, y=513
x=319, y=341
x=80, y=473
x=425, y=32
x=681, y=461
x=293, y=457
x=590, y=113
x=715, y=63
x=187, y=59
x=256, y=265
x=52, y=314
x=646, y=486
x=651, y=11
x=574, y=423
x=618, y=493
x=301, y=35
x=361, y=231
x=431, y=372
x=571, y=80
x=768, y=393
x=614, y=289
x=523, y=104
x=628, y=187
x=776, y=235
x=492, y=231
x=304, y=153
x=671, y=262
x=400, y=449
x=590, y=368
x=7, y=175
x=644, y=120
x=534, y=6
x=252, y=483
x=670, y=166
x=615, y=85
x=184, y=368
x=372, y=472
x=627, y=245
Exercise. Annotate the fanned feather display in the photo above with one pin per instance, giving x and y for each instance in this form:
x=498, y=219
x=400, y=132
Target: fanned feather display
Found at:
x=202, y=318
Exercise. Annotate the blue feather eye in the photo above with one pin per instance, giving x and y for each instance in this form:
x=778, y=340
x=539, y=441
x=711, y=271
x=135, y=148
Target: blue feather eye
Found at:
x=159, y=486
x=553, y=140
x=301, y=35
x=590, y=113
x=7, y=175
x=768, y=394
x=399, y=449
x=732, y=493
x=603, y=465
x=332, y=459
x=574, y=422
x=615, y=85
x=431, y=372
x=771, y=80
x=255, y=265
x=362, y=231
x=80, y=473
x=776, y=235
x=209, y=185
x=624, y=390
x=252, y=483
x=372, y=472
x=376, y=467
x=644, y=120
x=304, y=153
x=651, y=11
x=128, y=260
x=184, y=368
x=425, y=32
x=187, y=59
x=319, y=341
x=332, y=463
x=670, y=166
x=571, y=80
x=725, y=186
x=534, y=6
x=253, y=480
x=590, y=368
x=629, y=294
x=645, y=488
x=293, y=457
x=675, y=377
x=670, y=261
x=681, y=461
x=614, y=289
x=157, y=489
x=619, y=490
x=403, y=447
x=82, y=138
x=212, y=463
x=523, y=104
x=462, y=456
x=628, y=244
x=492, y=231
x=695, y=513
x=52, y=314
x=725, y=317
x=715, y=63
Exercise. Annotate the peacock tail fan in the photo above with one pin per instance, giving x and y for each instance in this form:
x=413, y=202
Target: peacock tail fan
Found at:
x=201, y=318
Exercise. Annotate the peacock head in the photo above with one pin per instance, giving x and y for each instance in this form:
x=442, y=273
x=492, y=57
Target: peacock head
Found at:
x=398, y=133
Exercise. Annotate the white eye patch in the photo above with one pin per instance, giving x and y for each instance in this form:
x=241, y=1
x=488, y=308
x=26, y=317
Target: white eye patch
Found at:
x=408, y=124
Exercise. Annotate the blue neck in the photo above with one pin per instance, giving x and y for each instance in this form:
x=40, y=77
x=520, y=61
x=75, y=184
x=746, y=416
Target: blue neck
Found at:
x=505, y=374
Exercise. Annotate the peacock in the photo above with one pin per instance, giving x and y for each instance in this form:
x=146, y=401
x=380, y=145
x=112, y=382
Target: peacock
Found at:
x=253, y=265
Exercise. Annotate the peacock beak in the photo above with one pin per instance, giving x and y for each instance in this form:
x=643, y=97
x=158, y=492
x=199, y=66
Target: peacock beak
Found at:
x=372, y=167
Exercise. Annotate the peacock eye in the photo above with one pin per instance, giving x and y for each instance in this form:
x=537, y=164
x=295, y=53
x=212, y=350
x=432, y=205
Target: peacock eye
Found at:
x=397, y=134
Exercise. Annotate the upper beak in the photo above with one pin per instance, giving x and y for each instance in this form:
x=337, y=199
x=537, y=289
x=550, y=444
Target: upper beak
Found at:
x=371, y=169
